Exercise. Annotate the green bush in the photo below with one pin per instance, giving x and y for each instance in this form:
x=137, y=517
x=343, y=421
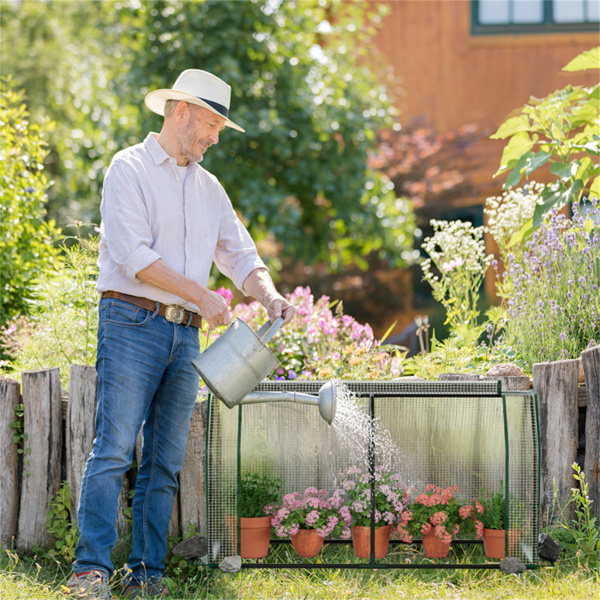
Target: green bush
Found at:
x=61, y=329
x=26, y=240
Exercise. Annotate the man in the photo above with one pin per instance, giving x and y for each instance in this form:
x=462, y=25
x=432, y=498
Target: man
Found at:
x=165, y=220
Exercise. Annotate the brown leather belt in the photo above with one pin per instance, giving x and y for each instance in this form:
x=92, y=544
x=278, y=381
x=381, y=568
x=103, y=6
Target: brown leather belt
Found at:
x=172, y=312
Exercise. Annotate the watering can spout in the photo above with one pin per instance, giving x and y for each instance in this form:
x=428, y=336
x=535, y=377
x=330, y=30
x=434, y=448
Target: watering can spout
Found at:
x=325, y=401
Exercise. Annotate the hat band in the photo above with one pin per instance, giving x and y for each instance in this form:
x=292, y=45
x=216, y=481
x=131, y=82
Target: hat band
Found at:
x=223, y=110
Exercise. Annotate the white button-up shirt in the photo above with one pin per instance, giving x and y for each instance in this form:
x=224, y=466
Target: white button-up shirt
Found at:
x=149, y=211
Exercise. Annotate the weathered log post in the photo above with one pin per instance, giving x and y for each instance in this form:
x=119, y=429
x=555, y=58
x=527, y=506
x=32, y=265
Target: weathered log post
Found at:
x=591, y=367
x=42, y=421
x=10, y=396
x=80, y=430
x=555, y=384
x=192, y=483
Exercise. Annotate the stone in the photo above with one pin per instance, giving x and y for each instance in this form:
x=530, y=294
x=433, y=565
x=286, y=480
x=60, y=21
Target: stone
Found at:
x=507, y=369
x=231, y=564
x=459, y=377
x=548, y=549
x=194, y=547
x=512, y=565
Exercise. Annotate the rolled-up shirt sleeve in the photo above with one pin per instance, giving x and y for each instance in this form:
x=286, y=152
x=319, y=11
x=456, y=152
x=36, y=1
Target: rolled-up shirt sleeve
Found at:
x=235, y=255
x=125, y=222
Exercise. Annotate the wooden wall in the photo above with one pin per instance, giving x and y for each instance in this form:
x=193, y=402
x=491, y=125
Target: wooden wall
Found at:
x=455, y=78
x=448, y=78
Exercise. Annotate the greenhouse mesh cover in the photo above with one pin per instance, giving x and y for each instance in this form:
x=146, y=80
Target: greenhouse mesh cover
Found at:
x=444, y=433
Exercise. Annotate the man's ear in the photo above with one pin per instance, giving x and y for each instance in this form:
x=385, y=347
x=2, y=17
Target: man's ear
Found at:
x=181, y=110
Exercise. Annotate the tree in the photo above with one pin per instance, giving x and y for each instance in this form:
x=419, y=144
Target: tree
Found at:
x=302, y=88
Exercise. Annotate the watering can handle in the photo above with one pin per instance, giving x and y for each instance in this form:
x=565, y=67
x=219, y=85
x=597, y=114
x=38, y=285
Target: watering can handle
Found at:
x=268, y=330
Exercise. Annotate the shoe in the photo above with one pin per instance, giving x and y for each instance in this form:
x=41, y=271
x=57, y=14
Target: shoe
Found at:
x=153, y=588
x=91, y=585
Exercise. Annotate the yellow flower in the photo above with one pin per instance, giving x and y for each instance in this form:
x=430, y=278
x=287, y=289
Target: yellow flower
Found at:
x=325, y=373
x=355, y=360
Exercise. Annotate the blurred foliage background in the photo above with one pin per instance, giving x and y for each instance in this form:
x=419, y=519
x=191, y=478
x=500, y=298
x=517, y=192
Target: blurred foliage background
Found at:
x=305, y=86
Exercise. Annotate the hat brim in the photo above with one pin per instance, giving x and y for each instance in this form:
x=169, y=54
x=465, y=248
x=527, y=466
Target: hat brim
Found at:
x=157, y=99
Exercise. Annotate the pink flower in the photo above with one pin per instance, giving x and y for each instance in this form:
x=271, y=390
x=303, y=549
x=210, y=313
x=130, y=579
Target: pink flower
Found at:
x=478, y=529
x=465, y=511
x=226, y=293
x=438, y=518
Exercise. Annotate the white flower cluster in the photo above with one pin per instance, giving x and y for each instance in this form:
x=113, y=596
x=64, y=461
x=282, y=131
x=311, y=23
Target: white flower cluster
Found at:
x=508, y=212
x=457, y=250
x=454, y=245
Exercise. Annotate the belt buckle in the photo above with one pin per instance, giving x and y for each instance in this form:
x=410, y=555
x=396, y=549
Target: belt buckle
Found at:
x=174, y=314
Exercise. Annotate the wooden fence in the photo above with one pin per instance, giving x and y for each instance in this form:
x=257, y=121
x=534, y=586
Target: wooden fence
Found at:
x=60, y=432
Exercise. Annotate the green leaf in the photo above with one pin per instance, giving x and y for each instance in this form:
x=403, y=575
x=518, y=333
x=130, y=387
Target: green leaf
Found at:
x=559, y=197
x=595, y=188
x=387, y=333
x=593, y=147
x=512, y=126
x=564, y=171
x=521, y=235
x=535, y=161
x=590, y=59
x=519, y=144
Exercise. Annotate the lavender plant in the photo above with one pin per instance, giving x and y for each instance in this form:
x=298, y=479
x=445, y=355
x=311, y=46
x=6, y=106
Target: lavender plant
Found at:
x=457, y=252
x=554, y=309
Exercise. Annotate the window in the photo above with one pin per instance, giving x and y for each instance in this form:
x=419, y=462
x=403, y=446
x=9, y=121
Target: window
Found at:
x=534, y=16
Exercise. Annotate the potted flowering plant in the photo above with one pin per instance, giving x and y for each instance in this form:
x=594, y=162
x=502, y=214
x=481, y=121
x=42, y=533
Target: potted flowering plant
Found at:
x=389, y=501
x=256, y=491
x=309, y=517
x=438, y=515
x=494, y=523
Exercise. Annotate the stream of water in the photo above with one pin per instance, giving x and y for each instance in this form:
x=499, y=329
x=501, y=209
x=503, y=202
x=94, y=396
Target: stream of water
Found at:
x=354, y=427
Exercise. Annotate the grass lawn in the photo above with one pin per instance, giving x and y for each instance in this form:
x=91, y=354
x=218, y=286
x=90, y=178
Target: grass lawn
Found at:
x=28, y=577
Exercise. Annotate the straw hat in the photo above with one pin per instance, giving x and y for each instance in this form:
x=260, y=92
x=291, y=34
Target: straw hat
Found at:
x=196, y=87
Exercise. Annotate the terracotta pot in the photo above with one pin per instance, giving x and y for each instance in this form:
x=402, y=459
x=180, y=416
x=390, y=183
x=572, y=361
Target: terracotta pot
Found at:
x=255, y=536
x=494, y=543
x=433, y=546
x=307, y=543
x=361, y=541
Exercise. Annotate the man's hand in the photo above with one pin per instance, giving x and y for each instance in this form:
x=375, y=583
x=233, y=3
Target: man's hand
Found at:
x=213, y=307
x=277, y=307
x=260, y=285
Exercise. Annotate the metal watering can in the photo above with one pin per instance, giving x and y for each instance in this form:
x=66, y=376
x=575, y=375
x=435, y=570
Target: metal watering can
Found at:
x=238, y=360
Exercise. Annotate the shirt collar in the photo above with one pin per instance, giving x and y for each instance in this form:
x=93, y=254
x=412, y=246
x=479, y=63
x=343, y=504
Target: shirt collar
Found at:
x=155, y=150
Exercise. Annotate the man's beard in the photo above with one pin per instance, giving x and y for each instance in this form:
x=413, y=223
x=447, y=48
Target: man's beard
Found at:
x=190, y=141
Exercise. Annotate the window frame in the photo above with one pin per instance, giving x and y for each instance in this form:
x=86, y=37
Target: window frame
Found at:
x=547, y=26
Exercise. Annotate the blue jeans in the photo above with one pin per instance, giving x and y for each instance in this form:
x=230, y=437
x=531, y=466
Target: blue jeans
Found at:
x=145, y=379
